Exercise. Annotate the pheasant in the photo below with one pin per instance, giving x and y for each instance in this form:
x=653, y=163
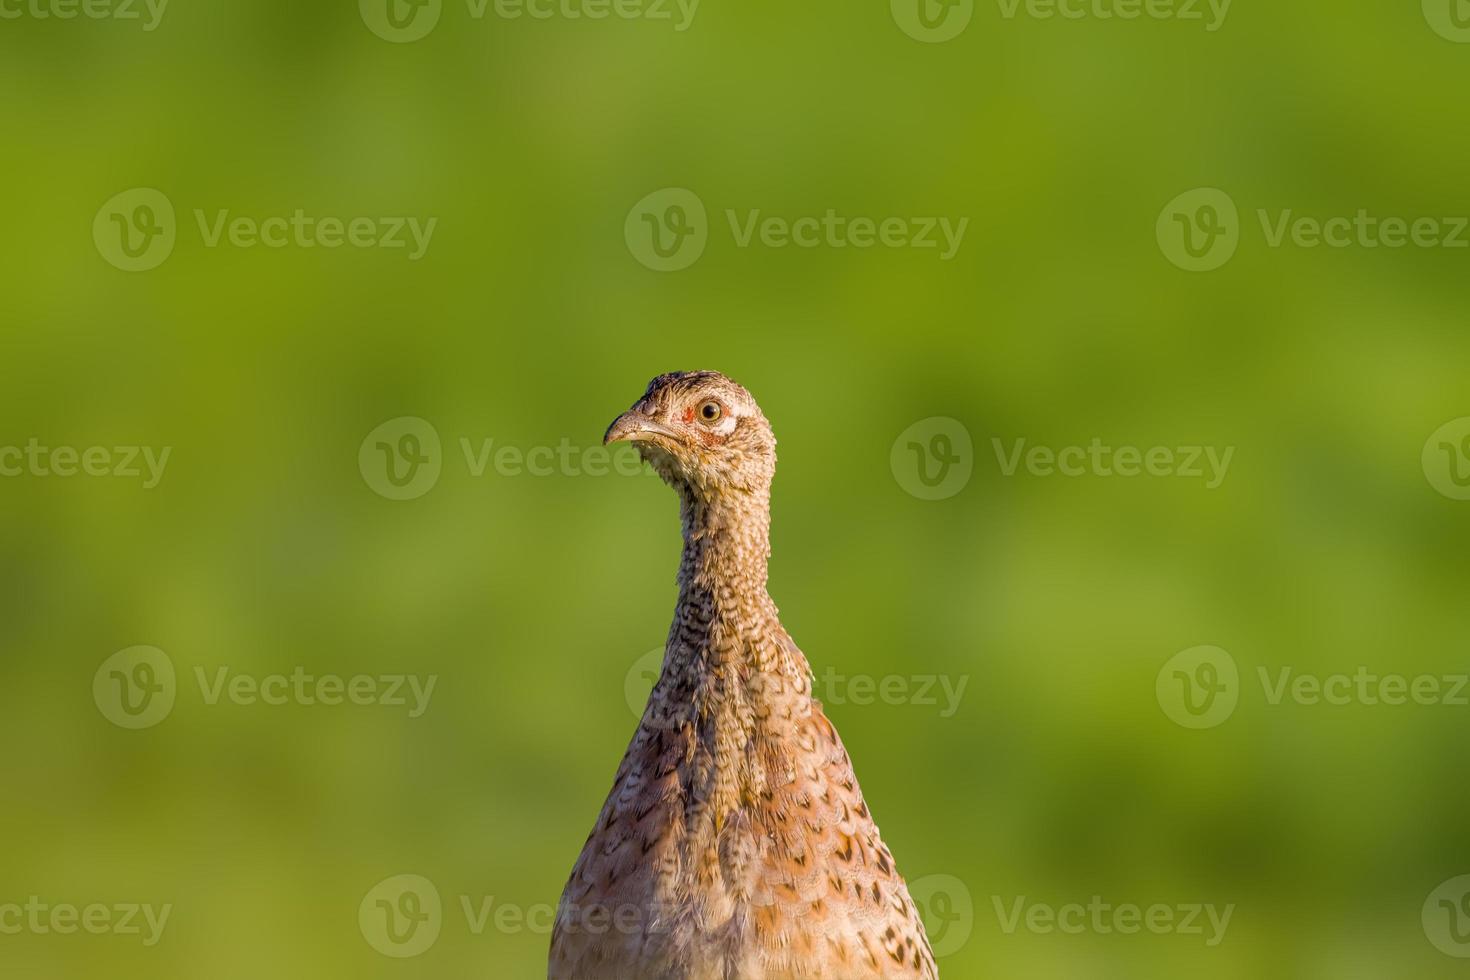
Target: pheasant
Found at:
x=735, y=843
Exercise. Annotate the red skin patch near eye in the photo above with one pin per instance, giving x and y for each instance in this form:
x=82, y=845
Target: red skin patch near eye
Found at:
x=688, y=415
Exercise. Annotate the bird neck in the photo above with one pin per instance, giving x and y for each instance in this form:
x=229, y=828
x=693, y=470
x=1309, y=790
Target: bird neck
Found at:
x=727, y=549
x=732, y=679
x=726, y=647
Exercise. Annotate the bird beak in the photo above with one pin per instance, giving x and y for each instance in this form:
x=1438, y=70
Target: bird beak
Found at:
x=635, y=427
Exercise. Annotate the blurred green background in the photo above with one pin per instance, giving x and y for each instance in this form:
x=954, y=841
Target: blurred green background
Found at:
x=530, y=320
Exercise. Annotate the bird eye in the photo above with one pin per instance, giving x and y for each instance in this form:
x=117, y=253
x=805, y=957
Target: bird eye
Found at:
x=710, y=411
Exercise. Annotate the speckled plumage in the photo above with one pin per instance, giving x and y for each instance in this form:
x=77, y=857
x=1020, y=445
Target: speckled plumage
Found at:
x=735, y=844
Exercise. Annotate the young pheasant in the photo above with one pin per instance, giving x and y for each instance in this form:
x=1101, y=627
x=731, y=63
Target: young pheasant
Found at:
x=735, y=844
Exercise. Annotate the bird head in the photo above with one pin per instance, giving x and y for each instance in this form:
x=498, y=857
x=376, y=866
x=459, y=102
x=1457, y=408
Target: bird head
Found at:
x=702, y=433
